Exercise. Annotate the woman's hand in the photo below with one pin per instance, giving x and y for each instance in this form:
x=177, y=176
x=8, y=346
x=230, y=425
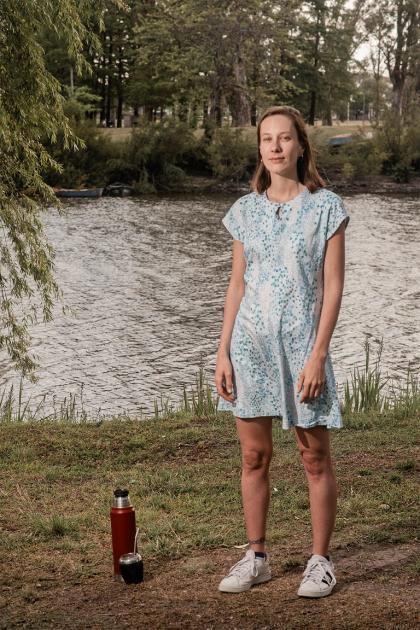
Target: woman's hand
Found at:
x=224, y=377
x=312, y=379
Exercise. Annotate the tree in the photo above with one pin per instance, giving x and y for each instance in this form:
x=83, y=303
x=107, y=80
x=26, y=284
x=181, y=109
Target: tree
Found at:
x=376, y=26
x=31, y=111
x=394, y=28
x=329, y=31
x=231, y=54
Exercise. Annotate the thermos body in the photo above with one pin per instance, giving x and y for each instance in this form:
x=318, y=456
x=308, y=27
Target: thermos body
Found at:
x=123, y=527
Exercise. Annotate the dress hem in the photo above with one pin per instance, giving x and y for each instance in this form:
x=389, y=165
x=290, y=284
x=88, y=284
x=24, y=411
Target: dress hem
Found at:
x=286, y=425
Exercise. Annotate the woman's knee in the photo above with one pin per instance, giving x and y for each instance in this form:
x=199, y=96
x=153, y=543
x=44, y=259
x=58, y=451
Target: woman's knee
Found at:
x=256, y=459
x=317, y=461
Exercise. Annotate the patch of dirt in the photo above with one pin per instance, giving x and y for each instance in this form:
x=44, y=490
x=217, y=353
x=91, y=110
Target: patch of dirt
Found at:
x=376, y=588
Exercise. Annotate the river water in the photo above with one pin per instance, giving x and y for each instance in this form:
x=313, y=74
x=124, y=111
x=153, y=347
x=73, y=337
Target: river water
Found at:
x=146, y=281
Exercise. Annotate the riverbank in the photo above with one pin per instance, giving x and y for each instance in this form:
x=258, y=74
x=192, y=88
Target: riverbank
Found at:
x=375, y=185
x=183, y=473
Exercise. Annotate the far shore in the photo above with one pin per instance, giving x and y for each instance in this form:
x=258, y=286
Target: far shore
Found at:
x=374, y=184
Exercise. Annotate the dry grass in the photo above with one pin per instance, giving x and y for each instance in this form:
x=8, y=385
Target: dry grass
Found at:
x=183, y=474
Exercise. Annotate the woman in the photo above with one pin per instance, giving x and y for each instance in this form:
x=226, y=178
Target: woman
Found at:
x=281, y=308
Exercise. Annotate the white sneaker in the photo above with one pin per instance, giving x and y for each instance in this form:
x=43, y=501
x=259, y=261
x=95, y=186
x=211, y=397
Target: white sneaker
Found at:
x=318, y=577
x=248, y=571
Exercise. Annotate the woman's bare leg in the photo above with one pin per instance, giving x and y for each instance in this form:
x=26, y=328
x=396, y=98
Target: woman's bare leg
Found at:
x=314, y=448
x=255, y=435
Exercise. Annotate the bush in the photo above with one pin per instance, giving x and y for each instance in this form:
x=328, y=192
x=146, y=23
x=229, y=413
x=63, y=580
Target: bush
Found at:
x=402, y=172
x=360, y=158
x=348, y=170
x=228, y=153
x=173, y=178
x=160, y=151
x=363, y=155
x=84, y=167
x=398, y=139
x=152, y=158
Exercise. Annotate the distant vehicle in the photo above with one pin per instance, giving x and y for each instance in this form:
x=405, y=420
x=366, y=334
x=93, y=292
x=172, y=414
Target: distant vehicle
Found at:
x=81, y=192
x=340, y=140
x=118, y=189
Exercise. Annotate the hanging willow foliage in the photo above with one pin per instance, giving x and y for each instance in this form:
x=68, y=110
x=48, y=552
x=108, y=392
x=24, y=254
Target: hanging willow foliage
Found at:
x=31, y=110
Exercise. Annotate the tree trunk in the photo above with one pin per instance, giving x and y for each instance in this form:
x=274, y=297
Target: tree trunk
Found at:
x=216, y=104
x=148, y=112
x=183, y=109
x=120, y=103
x=119, y=110
x=109, y=84
x=327, y=117
x=253, y=114
x=405, y=46
x=241, y=111
x=194, y=115
x=103, y=97
x=205, y=106
x=314, y=92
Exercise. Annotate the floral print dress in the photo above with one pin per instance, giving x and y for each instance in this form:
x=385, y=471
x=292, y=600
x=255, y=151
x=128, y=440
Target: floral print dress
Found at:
x=276, y=324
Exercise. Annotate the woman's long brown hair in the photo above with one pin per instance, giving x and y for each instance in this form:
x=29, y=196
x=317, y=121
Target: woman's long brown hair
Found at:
x=306, y=167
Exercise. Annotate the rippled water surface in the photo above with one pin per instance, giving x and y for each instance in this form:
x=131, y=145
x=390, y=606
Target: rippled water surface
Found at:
x=146, y=279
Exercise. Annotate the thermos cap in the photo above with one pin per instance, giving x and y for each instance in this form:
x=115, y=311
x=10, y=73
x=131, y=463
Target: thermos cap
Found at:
x=120, y=493
x=121, y=499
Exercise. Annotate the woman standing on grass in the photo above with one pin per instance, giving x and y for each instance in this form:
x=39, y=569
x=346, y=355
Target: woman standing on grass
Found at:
x=281, y=308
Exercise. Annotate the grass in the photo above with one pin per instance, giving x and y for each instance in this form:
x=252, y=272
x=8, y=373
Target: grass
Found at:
x=183, y=472
x=62, y=466
x=325, y=131
x=183, y=475
x=182, y=467
x=54, y=526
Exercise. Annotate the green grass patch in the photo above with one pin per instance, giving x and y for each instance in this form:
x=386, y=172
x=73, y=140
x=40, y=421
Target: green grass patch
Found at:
x=184, y=481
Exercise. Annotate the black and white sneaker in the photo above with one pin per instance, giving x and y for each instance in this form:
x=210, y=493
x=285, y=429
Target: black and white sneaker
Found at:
x=318, y=577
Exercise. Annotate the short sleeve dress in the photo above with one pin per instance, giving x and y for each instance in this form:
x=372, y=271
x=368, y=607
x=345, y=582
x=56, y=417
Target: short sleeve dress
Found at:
x=277, y=321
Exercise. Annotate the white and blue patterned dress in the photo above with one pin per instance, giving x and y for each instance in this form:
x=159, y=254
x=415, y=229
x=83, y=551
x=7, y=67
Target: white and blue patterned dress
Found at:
x=276, y=324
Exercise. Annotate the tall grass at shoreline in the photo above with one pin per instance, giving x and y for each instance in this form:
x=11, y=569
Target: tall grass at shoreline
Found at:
x=364, y=393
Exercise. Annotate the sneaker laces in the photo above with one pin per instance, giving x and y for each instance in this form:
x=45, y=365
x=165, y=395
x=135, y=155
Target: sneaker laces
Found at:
x=315, y=571
x=240, y=567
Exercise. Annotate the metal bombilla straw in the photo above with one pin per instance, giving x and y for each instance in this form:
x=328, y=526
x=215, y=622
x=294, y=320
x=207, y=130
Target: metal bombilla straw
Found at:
x=135, y=539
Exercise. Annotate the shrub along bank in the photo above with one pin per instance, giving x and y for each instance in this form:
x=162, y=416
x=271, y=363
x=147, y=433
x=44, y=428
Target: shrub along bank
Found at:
x=169, y=155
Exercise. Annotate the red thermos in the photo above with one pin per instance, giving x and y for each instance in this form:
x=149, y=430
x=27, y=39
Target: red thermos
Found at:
x=123, y=527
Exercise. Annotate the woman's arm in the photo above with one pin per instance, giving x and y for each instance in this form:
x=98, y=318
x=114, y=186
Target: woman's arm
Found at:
x=312, y=377
x=224, y=371
x=334, y=263
x=234, y=296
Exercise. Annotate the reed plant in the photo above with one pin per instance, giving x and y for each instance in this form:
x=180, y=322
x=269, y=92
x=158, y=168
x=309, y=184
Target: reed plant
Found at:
x=364, y=394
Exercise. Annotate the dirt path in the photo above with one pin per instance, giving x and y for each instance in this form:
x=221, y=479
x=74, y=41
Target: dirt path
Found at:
x=376, y=588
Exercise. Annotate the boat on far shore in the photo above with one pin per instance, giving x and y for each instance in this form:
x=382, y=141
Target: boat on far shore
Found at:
x=340, y=140
x=118, y=189
x=78, y=192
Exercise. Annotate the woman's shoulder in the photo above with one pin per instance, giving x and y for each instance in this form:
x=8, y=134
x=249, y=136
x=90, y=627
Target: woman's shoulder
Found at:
x=248, y=198
x=325, y=195
x=244, y=203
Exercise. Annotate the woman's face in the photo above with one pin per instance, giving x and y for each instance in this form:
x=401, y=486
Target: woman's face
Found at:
x=279, y=145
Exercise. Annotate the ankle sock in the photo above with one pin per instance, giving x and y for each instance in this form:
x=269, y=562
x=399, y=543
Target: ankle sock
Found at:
x=326, y=557
x=260, y=554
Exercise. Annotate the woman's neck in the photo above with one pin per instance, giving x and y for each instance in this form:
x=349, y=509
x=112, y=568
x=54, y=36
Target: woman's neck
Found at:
x=284, y=191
